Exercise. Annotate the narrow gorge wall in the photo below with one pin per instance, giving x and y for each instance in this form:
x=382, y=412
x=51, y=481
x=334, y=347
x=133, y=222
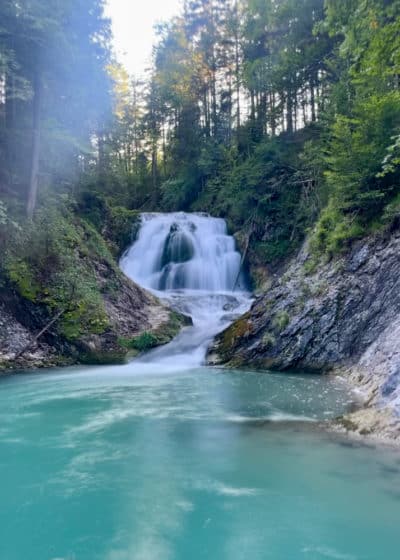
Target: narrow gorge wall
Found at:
x=345, y=315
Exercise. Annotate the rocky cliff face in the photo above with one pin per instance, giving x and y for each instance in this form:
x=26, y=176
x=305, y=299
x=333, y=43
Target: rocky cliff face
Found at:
x=345, y=315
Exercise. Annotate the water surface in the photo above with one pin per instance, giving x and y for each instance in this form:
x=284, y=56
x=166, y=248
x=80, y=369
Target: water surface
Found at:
x=109, y=464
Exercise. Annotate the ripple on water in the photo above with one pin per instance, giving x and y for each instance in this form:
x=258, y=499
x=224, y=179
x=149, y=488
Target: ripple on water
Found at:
x=200, y=464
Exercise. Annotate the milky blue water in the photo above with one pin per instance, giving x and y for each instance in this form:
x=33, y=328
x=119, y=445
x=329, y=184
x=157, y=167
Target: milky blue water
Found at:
x=109, y=464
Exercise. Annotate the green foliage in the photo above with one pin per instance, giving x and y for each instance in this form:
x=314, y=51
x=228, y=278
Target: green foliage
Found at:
x=274, y=250
x=74, y=288
x=117, y=224
x=391, y=215
x=123, y=226
x=335, y=232
x=93, y=207
x=392, y=159
x=311, y=264
x=269, y=340
x=281, y=320
x=362, y=152
x=357, y=150
x=9, y=227
x=274, y=192
x=142, y=343
x=49, y=263
x=23, y=278
x=175, y=194
x=148, y=340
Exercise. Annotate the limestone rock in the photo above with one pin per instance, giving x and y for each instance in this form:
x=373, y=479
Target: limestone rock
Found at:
x=344, y=315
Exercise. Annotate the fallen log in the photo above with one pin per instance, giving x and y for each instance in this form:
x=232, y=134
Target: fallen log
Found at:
x=41, y=333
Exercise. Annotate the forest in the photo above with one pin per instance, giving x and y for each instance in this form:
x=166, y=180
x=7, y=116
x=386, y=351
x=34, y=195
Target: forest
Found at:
x=281, y=116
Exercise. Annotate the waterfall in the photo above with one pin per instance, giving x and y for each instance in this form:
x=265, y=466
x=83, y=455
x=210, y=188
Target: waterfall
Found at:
x=190, y=261
x=183, y=251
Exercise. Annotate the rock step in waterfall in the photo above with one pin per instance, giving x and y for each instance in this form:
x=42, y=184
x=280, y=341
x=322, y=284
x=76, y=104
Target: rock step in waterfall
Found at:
x=191, y=261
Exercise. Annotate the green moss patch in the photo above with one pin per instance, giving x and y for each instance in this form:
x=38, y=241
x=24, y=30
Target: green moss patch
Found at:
x=51, y=263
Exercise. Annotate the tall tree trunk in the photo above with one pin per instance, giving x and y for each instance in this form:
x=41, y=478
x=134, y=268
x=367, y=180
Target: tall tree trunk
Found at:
x=129, y=156
x=263, y=113
x=9, y=124
x=154, y=174
x=252, y=107
x=101, y=163
x=34, y=174
x=230, y=111
x=9, y=101
x=214, y=97
x=206, y=113
x=312, y=101
x=164, y=149
x=237, y=66
x=304, y=106
x=289, y=112
x=272, y=112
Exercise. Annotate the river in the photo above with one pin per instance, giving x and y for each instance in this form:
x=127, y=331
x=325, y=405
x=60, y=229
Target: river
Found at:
x=166, y=459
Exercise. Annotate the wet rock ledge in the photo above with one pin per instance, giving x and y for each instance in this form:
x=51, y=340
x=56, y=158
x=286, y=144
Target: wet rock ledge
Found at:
x=343, y=317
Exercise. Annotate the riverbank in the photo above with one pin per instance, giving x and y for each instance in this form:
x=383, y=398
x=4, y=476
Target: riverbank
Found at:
x=377, y=376
x=341, y=316
x=138, y=321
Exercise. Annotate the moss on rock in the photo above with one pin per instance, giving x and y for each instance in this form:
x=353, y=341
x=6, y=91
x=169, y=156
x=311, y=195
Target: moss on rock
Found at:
x=241, y=328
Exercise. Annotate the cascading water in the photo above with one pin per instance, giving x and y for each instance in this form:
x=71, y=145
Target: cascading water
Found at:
x=189, y=260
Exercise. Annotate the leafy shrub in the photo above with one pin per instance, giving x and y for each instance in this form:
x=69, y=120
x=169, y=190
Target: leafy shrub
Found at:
x=142, y=343
x=117, y=224
x=9, y=227
x=175, y=194
x=334, y=231
x=391, y=214
x=22, y=276
x=281, y=320
x=123, y=226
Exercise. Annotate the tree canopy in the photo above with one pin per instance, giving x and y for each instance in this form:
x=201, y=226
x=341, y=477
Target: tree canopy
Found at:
x=282, y=114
